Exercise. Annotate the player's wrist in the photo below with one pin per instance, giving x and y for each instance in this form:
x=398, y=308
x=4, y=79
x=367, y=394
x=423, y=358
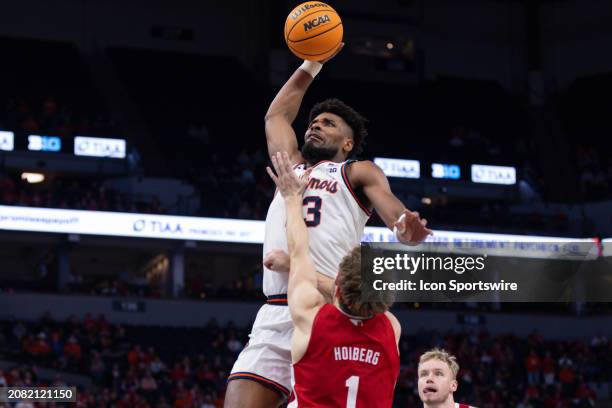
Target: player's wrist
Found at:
x=293, y=198
x=311, y=67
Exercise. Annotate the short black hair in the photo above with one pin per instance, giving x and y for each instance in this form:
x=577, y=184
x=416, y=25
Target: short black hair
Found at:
x=353, y=118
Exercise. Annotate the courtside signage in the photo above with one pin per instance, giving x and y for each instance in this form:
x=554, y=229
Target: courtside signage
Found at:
x=7, y=140
x=607, y=247
x=99, y=147
x=493, y=174
x=223, y=230
x=399, y=167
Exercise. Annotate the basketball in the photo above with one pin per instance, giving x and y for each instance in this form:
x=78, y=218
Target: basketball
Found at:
x=313, y=31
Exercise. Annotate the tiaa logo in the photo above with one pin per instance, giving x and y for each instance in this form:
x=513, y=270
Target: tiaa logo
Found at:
x=309, y=25
x=152, y=226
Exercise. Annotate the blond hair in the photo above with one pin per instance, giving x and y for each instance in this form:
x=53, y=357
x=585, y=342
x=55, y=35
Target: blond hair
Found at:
x=350, y=288
x=442, y=355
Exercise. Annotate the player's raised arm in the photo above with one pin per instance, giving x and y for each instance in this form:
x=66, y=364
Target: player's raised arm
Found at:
x=283, y=110
x=409, y=227
x=303, y=297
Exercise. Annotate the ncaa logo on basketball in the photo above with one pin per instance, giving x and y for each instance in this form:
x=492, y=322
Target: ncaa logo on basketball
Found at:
x=316, y=22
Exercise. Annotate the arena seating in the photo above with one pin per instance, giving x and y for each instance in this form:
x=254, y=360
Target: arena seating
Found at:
x=154, y=366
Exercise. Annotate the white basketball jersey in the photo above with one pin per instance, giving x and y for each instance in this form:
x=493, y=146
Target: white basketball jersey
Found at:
x=335, y=220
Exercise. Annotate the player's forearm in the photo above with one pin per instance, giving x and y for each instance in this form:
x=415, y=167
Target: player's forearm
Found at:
x=297, y=234
x=301, y=268
x=288, y=100
x=389, y=208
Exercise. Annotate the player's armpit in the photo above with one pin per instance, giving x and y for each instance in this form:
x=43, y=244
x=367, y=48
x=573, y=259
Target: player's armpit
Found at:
x=304, y=301
x=325, y=285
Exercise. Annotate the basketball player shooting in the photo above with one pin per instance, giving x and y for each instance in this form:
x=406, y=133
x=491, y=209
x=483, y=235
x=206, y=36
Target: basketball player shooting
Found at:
x=344, y=354
x=337, y=202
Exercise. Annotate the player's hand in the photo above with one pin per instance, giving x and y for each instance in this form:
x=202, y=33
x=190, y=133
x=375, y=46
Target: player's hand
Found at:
x=288, y=184
x=277, y=260
x=411, y=229
x=335, y=53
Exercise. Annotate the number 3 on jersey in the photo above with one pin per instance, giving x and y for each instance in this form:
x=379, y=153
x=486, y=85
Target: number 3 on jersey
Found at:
x=313, y=210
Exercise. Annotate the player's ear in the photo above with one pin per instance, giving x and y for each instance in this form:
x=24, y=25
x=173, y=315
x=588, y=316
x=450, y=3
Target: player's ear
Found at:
x=348, y=145
x=454, y=385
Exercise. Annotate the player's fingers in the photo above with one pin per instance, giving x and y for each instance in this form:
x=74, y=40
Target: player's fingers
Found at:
x=274, y=159
x=424, y=222
x=280, y=160
x=271, y=173
x=306, y=174
x=287, y=162
x=401, y=227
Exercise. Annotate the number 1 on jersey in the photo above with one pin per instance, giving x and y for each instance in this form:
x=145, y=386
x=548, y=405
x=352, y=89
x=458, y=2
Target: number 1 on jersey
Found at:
x=313, y=212
x=353, y=385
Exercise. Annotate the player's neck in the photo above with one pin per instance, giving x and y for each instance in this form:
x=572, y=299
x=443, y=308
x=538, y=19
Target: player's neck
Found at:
x=347, y=312
x=338, y=158
x=449, y=403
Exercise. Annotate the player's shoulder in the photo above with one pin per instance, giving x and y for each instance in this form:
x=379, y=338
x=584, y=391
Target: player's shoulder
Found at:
x=363, y=165
x=395, y=324
x=364, y=172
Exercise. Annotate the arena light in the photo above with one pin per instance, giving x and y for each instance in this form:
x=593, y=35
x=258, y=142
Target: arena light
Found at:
x=399, y=167
x=33, y=178
x=7, y=141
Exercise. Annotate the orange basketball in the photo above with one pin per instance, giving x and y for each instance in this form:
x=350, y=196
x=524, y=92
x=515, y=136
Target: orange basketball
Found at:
x=313, y=31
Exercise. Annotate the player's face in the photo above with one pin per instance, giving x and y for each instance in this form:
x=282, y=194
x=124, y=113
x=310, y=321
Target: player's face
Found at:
x=326, y=136
x=436, y=382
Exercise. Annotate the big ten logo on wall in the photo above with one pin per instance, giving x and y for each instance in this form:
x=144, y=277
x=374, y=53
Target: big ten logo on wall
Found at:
x=7, y=140
x=38, y=143
x=99, y=147
x=445, y=171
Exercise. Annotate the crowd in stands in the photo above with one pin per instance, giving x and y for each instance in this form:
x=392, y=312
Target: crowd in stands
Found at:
x=78, y=194
x=49, y=116
x=132, y=366
x=594, y=173
x=244, y=288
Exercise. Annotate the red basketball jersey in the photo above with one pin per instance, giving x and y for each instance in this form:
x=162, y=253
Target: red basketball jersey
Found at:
x=348, y=363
